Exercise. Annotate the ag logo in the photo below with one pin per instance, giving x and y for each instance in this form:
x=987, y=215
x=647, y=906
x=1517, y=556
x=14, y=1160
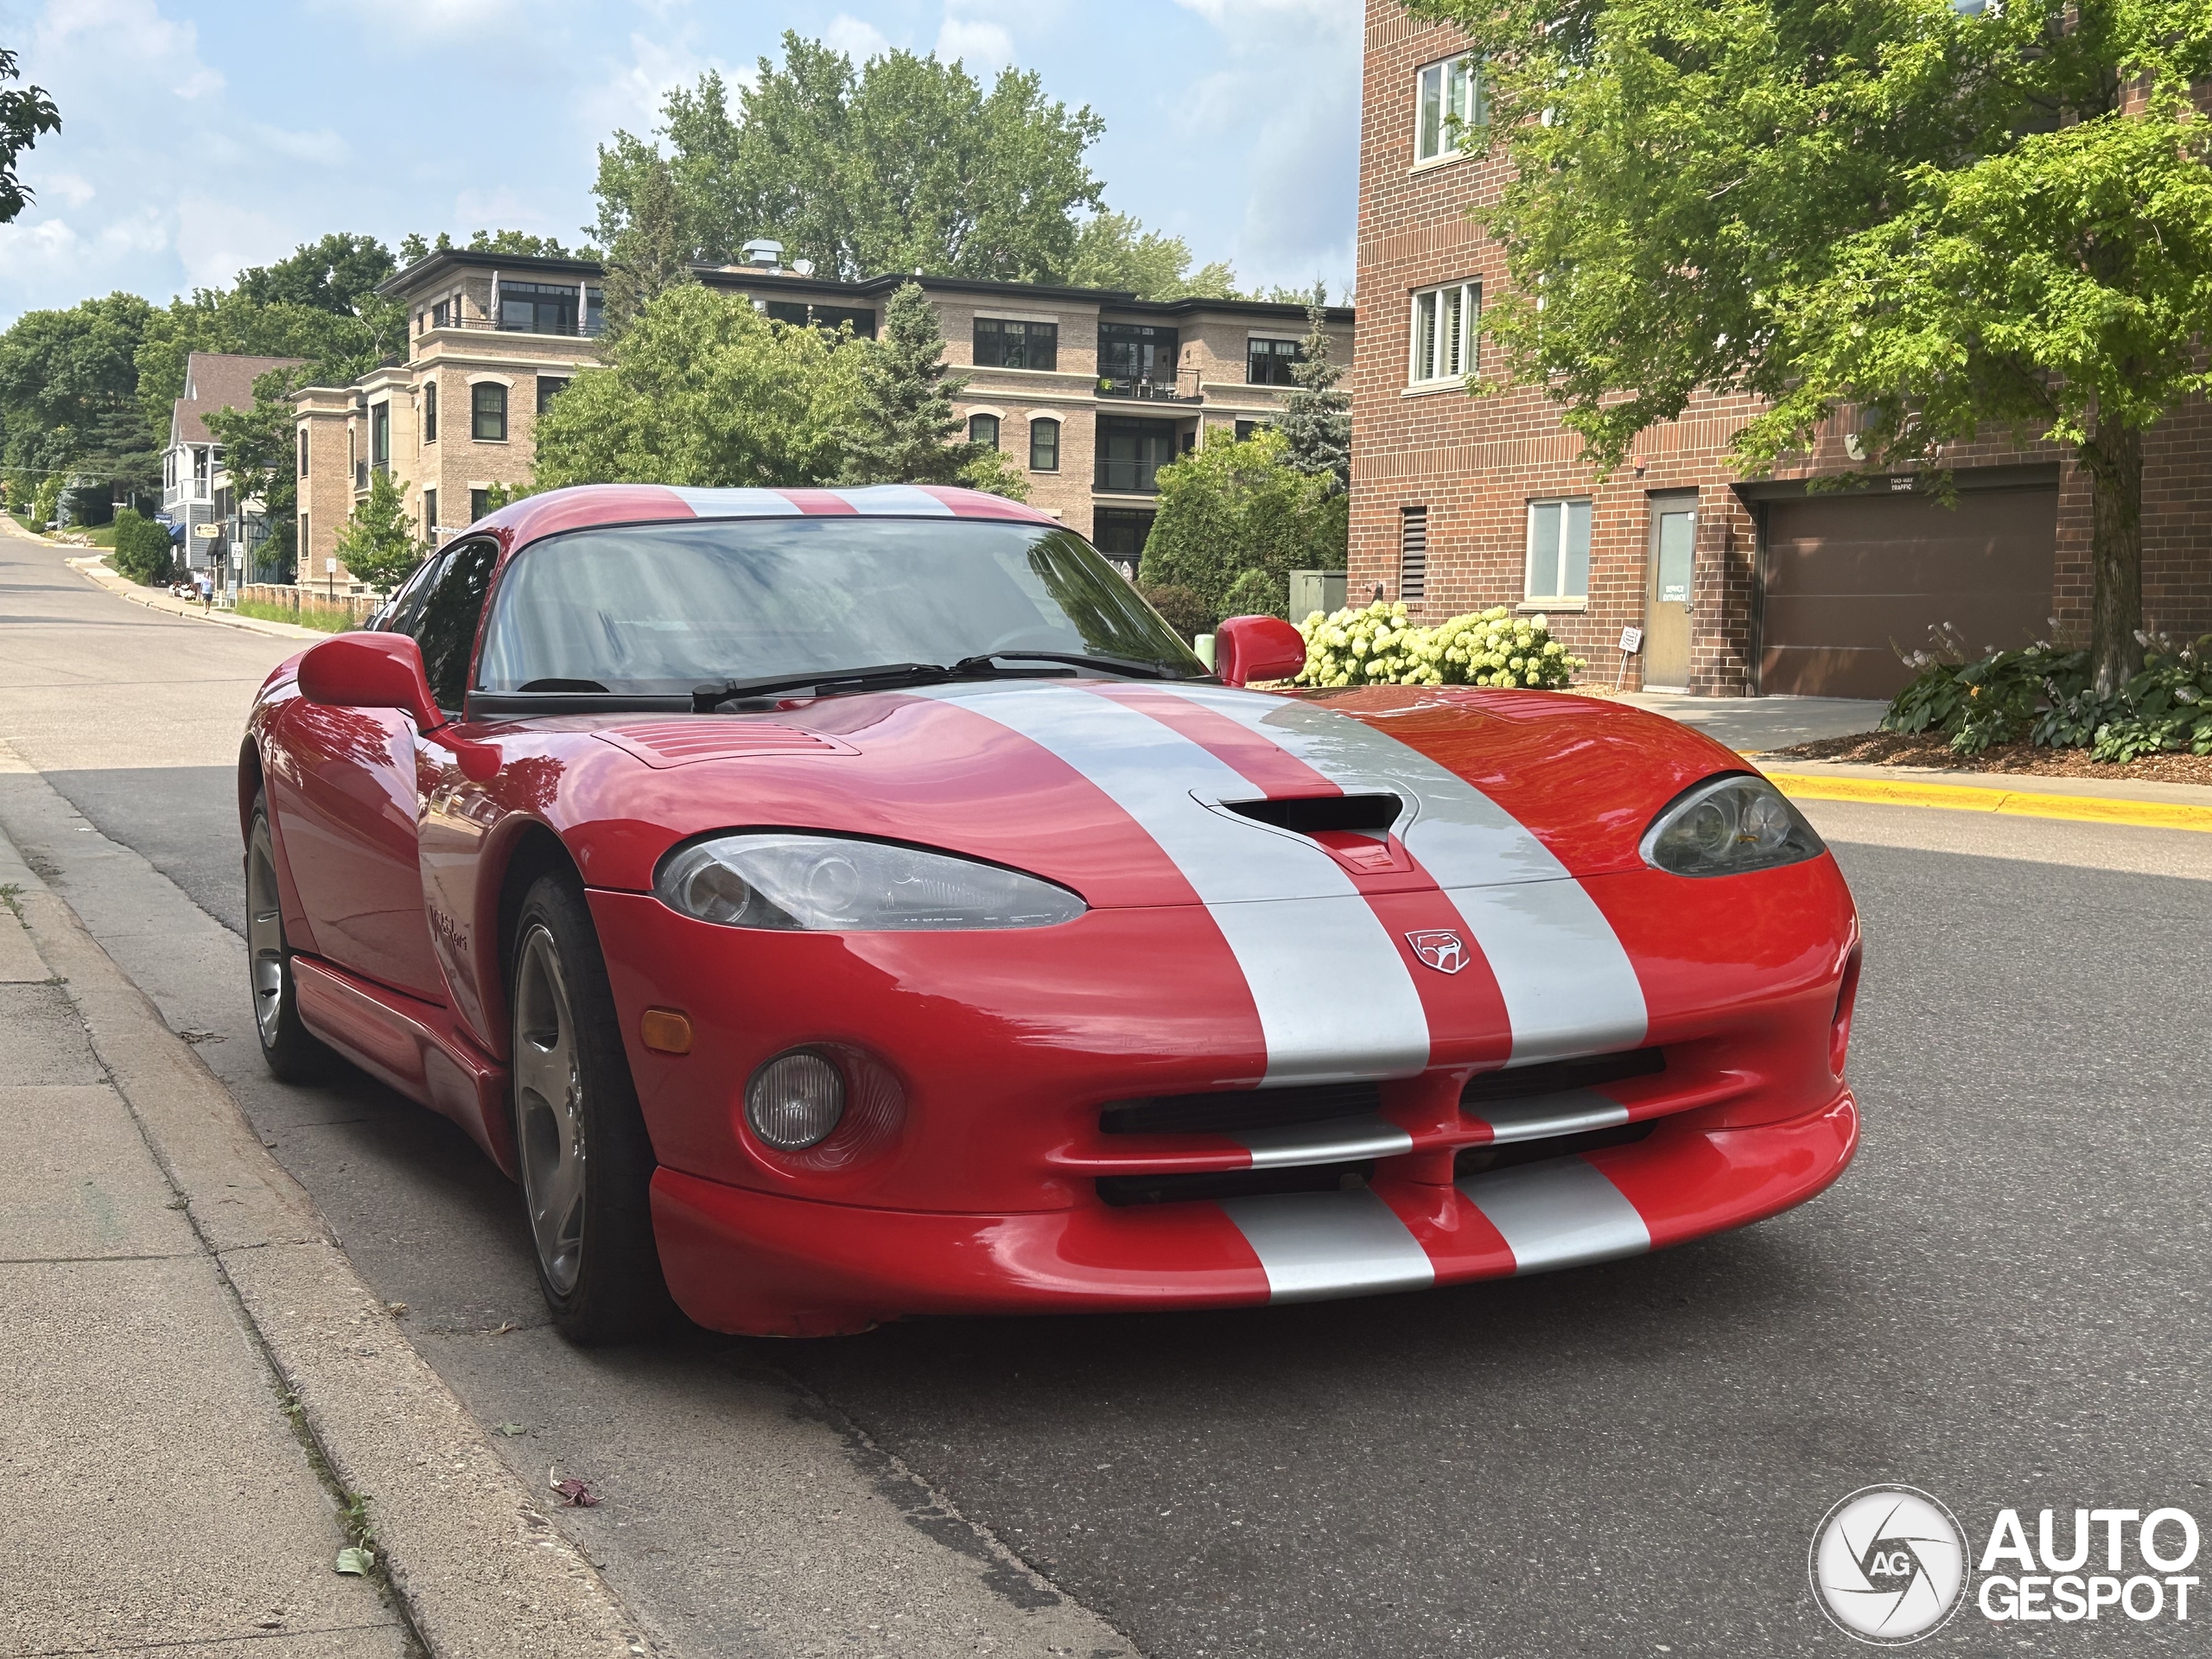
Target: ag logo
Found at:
x=1888, y=1564
x=1443, y=950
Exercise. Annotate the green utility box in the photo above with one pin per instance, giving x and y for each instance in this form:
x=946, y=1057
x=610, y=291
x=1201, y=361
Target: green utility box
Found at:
x=1315, y=590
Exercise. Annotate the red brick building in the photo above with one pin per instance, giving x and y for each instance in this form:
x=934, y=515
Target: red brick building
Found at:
x=1740, y=587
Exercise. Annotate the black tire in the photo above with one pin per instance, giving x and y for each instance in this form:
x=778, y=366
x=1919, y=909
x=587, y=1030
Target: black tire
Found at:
x=292, y=1054
x=586, y=1163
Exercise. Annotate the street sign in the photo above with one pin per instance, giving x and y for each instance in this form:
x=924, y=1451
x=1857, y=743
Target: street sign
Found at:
x=1632, y=640
x=330, y=567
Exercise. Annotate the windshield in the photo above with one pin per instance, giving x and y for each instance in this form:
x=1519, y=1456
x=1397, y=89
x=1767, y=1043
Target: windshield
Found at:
x=662, y=608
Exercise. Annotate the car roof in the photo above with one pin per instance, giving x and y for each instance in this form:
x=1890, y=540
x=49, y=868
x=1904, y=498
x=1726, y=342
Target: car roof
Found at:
x=584, y=505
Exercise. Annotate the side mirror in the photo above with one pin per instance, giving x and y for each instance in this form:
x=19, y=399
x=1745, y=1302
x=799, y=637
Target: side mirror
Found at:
x=1249, y=648
x=371, y=671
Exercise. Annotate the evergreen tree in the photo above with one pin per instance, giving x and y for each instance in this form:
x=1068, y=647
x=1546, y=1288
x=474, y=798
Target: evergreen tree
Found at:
x=903, y=422
x=1316, y=422
x=648, y=256
x=379, y=545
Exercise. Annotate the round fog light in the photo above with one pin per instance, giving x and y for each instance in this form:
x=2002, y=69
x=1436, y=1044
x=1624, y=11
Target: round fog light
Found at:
x=795, y=1101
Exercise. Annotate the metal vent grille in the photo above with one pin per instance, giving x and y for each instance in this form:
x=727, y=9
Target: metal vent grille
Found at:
x=1412, y=554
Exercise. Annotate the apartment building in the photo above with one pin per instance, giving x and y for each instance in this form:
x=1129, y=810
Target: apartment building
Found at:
x=1091, y=393
x=196, y=490
x=1737, y=587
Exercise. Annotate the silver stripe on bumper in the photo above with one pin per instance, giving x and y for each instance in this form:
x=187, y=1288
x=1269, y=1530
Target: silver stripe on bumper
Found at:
x=1317, y=1245
x=1569, y=1112
x=1333, y=1141
x=1561, y=1214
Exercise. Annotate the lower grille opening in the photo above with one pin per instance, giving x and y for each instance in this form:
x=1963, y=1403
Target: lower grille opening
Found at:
x=1227, y=1110
x=1123, y=1191
x=1554, y=1077
x=1476, y=1160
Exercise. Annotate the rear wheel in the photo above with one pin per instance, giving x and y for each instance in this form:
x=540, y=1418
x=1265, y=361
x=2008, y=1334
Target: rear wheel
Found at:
x=587, y=1162
x=290, y=1053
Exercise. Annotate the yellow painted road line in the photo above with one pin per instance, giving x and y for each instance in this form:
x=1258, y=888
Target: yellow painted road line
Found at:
x=1966, y=798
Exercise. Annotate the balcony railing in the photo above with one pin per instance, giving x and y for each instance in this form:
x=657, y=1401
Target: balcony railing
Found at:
x=1147, y=390
x=586, y=330
x=1121, y=477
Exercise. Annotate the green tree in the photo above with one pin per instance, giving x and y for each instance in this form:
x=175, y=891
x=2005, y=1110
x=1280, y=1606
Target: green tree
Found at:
x=648, y=256
x=25, y=112
x=1316, y=423
x=143, y=550
x=378, y=543
x=702, y=390
x=69, y=393
x=907, y=164
x=414, y=247
x=1931, y=219
x=1229, y=509
x=1114, y=250
x=903, y=420
x=259, y=451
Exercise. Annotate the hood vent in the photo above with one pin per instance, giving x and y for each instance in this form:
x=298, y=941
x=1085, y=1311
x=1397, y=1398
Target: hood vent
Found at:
x=1315, y=815
x=681, y=742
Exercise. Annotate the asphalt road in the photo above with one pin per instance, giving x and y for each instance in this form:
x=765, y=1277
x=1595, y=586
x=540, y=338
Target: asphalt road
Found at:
x=2002, y=1302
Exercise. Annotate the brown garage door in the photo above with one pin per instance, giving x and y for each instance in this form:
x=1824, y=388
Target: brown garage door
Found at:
x=1851, y=579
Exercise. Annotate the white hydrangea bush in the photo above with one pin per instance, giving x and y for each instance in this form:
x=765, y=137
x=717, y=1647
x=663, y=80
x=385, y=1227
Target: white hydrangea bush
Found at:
x=1376, y=644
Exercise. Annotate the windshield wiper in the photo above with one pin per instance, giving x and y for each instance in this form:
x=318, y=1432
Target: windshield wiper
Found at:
x=1147, y=669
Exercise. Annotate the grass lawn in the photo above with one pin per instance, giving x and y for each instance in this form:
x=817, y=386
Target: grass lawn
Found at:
x=307, y=616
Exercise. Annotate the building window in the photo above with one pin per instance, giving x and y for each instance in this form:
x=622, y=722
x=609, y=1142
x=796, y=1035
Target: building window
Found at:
x=304, y=543
x=1446, y=321
x=430, y=412
x=480, y=503
x=1137, y=359
x=538, y=307
x=1120, y=533
x=1412, y=554
x=1131, y=454
x=488, y=399
x=443, y=313
x=830, y=318
x=983, y=428
x=1559, y=550
x=429, y=515
x=1044, y=446
x=1267, y=362
x=1451, y=100
x=548, y=387
x=199, y=470
x=1247, y=430
x=790, y=311
x=304, y=452
x=1001, y=344
x=380, y=437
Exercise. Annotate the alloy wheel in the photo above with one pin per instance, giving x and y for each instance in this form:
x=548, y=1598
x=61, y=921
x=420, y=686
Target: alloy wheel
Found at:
x=265, y=934
x=549, y=1108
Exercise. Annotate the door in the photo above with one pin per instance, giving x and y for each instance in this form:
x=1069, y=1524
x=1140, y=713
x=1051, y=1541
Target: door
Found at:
x=1854, y=580
x=1667, y=603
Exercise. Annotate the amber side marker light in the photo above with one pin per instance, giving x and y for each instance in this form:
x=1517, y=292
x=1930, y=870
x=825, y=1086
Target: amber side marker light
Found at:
x=665, y=1032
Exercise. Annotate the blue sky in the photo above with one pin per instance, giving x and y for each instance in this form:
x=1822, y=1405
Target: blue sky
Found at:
x=200, y=136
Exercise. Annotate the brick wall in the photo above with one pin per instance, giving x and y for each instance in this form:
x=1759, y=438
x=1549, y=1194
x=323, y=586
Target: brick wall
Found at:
x=1475, y=464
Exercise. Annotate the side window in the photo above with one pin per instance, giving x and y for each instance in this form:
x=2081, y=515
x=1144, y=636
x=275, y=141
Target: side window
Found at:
x=446, y=628
x=488, y=399
x=399, y=613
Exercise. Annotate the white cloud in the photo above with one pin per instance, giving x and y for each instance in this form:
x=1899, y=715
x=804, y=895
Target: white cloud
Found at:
x=858, y=41
x=975, y=43
x=217, y=239
x=434, y=19
x=323, y=149
x=72, y=187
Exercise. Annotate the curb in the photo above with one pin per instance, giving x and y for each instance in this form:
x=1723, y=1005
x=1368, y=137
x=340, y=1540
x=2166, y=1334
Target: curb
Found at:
x=2012, y=803
x=477, y=1568
x=95, y=571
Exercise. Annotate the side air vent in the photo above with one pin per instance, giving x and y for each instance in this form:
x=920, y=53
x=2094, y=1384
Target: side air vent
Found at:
x=680, y=742
x=1555, y=1076
x=1309, y=815
x=1230, y=1110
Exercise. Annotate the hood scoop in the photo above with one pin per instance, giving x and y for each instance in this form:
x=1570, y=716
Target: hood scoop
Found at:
x=1316, y=815
x=669, y=743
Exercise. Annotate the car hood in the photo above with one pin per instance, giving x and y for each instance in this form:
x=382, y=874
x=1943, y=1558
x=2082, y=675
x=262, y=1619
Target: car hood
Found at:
x=1142, y=794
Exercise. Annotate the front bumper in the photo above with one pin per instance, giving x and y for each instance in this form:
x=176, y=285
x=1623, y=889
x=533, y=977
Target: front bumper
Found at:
x=748, y=1261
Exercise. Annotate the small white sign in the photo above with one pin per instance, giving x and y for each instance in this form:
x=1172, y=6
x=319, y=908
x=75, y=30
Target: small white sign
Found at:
x=330, y=567
x=1632, y=640
x=206, y=533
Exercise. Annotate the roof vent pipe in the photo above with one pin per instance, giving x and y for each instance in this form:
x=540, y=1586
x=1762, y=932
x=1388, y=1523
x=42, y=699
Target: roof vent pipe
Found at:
x=768, y=256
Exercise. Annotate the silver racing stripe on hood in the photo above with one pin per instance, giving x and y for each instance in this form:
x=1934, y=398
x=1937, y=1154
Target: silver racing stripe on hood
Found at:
x=1336, y=1000
x=1569, y=985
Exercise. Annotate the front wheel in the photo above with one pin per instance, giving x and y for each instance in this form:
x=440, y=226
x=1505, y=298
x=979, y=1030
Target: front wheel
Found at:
x=291, y=1054
x=587, y=1162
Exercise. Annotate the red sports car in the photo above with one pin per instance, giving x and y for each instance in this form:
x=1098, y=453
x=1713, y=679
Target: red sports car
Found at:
x=838, y=904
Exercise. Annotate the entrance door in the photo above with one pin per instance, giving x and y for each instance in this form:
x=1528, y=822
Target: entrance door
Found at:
x=1666, y=606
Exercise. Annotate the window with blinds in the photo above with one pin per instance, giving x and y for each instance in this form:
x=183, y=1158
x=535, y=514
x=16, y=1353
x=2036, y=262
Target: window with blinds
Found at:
x=1412, y=554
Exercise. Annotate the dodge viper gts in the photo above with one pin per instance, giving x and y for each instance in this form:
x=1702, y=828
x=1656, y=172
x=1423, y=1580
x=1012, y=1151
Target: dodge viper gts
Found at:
x=833, y=906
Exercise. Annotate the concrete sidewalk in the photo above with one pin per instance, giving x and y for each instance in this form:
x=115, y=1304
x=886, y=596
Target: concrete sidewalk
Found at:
x=95, y=570
x=206, y=1404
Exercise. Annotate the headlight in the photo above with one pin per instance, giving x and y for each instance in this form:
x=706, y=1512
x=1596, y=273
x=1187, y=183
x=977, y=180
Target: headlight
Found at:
x=1726, y=826
x=827, y=884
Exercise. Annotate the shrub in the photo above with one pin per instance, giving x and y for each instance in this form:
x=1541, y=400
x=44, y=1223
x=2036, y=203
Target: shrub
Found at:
x=1231, y=507
x=142, y=548
x=1183, y=610
x=1255, y=593
x=2042, y=693
x=1376, y=644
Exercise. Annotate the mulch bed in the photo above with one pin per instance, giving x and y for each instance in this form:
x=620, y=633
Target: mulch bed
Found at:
x=1904, y=749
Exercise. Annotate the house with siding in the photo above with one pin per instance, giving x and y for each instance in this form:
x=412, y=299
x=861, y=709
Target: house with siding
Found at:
x=196, y=490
